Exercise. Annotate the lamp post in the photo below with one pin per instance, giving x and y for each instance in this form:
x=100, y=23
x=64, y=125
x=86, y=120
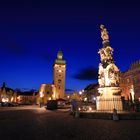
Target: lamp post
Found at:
x=80, y=93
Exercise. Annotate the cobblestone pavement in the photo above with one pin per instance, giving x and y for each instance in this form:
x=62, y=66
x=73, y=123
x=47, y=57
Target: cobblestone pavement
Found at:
x=33, y=123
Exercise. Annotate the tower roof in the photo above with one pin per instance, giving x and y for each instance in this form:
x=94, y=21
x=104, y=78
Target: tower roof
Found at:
x=59, y=59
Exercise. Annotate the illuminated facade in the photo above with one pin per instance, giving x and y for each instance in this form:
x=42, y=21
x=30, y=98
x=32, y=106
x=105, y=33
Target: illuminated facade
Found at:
x=130, y=82
x=59, y=75
x=91, y=92
x=22, y=97
x=47, y=92
x=7, y=94
x=57, y=89
x=27, y=97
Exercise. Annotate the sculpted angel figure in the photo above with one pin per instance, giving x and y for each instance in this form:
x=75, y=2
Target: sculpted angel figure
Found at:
x=113, y=75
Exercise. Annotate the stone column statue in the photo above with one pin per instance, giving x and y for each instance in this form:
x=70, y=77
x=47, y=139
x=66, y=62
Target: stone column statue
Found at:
x=108, y=77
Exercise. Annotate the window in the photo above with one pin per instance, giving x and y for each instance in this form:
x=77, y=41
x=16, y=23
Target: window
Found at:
x=59, y=80
x=128, y=80
x=136, y=80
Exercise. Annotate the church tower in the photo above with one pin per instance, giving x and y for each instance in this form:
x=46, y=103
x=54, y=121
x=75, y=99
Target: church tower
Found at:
x=59, y=75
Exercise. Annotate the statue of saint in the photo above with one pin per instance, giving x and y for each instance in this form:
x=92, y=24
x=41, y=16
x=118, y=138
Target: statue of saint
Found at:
x=104, y=33
x=106, y=54
x=113, y=75
x=101, y=79
x=102, y=54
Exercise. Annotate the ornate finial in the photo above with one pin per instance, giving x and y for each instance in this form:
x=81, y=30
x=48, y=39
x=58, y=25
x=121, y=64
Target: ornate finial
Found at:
x=59, y=55
x=104, y=33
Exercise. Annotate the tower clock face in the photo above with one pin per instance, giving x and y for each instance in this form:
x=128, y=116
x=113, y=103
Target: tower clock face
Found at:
x=60, y=71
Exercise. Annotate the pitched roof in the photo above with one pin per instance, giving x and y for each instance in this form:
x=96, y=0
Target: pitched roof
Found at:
x=27, y=93
x=91, y=86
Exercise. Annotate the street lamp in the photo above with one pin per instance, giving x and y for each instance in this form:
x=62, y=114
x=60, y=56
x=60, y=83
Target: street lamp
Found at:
x=85, y=99
x=41, y=98
x=80, y=92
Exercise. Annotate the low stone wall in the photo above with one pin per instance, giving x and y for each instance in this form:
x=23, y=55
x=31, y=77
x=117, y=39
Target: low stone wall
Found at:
x=108, y=104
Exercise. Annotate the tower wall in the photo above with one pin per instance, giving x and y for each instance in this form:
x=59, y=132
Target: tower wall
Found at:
x=59, y=80
x=59, y=75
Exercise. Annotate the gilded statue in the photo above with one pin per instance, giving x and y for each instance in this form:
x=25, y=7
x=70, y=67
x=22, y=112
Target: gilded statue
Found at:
x=106, y=53
x=104, y=33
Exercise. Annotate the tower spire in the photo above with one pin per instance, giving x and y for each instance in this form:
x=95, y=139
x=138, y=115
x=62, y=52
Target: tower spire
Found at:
x=59, y=59
x=60, y=55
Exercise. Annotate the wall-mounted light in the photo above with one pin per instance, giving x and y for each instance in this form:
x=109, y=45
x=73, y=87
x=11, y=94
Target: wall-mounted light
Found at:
x=41, y=94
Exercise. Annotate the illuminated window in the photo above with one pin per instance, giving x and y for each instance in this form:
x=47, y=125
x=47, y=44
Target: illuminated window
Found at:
x=128, y=80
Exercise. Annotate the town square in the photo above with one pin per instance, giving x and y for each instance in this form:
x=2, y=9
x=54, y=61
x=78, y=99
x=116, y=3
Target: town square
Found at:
x=34, y=123
x=69, y=70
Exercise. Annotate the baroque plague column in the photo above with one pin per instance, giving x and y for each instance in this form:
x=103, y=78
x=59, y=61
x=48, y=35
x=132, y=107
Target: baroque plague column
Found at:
x=110, y=92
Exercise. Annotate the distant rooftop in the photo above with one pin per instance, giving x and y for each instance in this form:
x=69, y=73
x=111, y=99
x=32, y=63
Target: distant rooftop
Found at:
x=135, y=65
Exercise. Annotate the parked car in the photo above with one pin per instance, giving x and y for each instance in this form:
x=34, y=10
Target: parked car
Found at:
x=51, y=104
x=8, y=104
x=0, y=103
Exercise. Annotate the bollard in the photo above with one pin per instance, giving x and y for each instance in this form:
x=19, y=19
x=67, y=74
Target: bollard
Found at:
x=76, y=114
x=115, y=115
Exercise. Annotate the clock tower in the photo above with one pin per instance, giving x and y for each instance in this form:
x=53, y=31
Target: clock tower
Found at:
x=59, y=75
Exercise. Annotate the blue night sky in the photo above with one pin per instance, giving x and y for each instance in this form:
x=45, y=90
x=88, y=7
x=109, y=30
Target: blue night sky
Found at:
x=32, y=32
